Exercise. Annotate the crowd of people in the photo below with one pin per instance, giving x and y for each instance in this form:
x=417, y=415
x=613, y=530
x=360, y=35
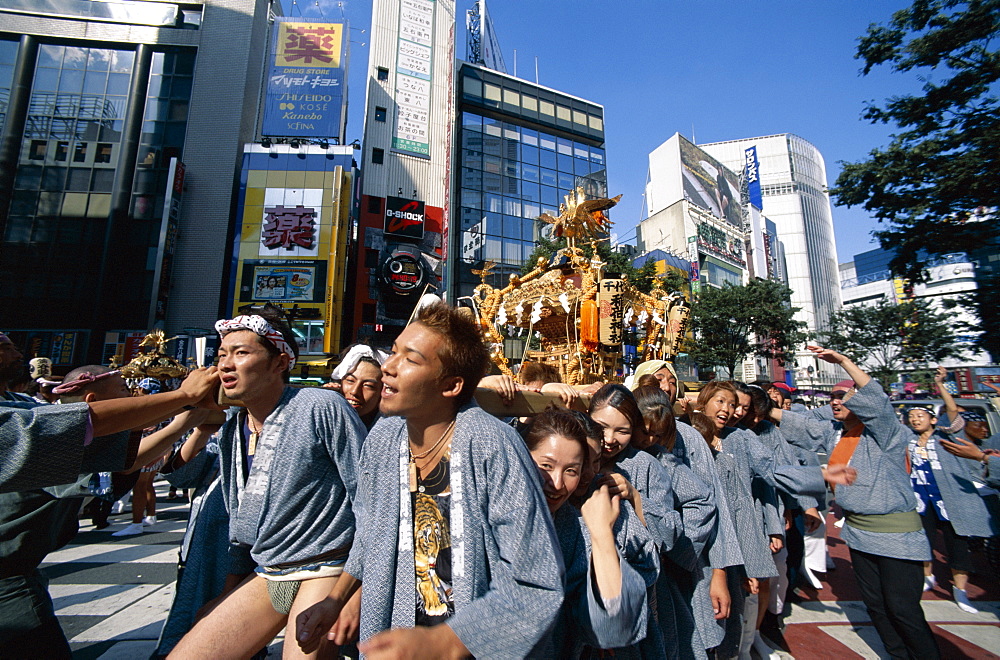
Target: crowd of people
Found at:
x=390, y=515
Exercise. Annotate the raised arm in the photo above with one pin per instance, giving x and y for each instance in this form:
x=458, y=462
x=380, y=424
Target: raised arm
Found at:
x=950, y=407
x=115, y=415
x=856, y=373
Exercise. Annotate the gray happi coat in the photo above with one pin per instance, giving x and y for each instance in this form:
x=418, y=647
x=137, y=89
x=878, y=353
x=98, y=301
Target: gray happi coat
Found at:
x=507, y=569
x=588, y=620
x=969, y=512
x=883, y=485
x=722, y=551
x=686, y=561
x=42, y=445
x=297, y=501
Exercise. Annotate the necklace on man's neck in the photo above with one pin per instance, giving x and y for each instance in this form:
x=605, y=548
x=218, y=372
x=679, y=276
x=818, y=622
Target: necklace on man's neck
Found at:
x=414, y=457
x=254, y=435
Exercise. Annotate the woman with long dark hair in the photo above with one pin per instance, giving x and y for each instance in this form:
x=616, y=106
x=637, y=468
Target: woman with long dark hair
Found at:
x=638, y=478
x=605, y=606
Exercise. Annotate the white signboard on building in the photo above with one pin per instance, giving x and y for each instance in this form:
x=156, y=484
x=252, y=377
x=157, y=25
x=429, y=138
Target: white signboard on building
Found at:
x=414, y=64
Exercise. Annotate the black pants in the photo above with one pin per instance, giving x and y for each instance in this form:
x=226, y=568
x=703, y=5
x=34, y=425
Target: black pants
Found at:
x=891, y=589
x=957, y=547
x=28, y=624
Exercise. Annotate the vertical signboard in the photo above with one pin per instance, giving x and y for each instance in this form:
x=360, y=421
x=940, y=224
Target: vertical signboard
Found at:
x=305, y=88
x=168, y=241
x=752, y=173
x=413, y=77
x=611, y=311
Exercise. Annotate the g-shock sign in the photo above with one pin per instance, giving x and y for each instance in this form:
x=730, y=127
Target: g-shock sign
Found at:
x=404, y=217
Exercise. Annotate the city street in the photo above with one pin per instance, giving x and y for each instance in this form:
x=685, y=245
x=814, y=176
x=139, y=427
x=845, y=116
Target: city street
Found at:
x=112, y=595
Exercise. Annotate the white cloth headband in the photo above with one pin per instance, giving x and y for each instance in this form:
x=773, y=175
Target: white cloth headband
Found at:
x=81, y=381
x=260, y=326
x=354, y=356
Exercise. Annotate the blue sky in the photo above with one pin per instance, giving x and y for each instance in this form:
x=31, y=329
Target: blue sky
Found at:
x=717, y=70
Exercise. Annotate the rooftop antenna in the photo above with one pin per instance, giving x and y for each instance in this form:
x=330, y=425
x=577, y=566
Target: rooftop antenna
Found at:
x=536, y=69
x=693, y=140
x=515, y=63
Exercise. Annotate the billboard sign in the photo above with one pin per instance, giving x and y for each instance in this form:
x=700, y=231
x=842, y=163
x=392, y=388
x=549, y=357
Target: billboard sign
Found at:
x=489, y=45
x=292, y=280
x=414, y=62
x=305, y=94
x=752, y=172
x=404, y=217
x=708, y=184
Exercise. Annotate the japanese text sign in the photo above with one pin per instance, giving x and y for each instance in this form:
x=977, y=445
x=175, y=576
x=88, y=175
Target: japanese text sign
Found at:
x=611, y=311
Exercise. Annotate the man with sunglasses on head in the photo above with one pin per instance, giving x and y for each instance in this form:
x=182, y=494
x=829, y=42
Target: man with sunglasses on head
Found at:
x=882, y=528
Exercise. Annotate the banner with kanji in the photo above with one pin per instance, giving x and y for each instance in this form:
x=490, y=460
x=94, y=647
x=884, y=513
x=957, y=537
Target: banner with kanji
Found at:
x=305, y=95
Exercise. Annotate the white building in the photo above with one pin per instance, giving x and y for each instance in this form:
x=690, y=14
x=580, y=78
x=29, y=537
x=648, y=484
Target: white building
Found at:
x=696, y=212
x=949, y=277
x=793, y=183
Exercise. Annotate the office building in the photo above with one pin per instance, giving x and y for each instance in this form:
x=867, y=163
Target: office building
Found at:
x=405, y=188
x=698, y=218
x=793, y=186
x=522, y=147
x=123, y=127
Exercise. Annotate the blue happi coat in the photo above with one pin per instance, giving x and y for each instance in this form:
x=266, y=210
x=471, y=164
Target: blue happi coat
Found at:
x=507, y=569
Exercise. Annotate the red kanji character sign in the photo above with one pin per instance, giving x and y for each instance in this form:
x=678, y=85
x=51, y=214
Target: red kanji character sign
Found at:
x=310, y=44
x=289, y=227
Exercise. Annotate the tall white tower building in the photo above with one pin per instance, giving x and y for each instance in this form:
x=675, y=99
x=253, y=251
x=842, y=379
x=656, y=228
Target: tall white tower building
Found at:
x=793, y=183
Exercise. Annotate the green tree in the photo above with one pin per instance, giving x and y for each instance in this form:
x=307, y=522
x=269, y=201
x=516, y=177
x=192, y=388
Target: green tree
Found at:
x=734, y=322
x=935, y=189
x=887, y=338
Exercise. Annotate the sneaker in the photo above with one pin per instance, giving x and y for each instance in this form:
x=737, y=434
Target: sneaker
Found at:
x=962, y=600
x=131, y=530
x=118, y=507
x=929, y=582
x=149, y=521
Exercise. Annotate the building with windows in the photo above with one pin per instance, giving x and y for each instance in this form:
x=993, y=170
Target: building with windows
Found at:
x=698, y=217
x=459, y=161
x=521, y=149
x=694, y=212
x=793, y=185
x=123, y=125
x=405, y=189
x=867, y=280
x=294, y=214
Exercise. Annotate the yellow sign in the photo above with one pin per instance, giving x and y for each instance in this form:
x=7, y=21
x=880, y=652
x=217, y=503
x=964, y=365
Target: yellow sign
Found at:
x=309, y=45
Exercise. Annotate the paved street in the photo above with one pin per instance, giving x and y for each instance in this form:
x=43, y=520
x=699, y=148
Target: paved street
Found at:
x=833, y=622
x=112, y=595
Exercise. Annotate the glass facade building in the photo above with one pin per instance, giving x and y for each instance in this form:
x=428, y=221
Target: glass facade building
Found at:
x=97, y=100
x=59, y=224
x=63, y=187
x=521, y=149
